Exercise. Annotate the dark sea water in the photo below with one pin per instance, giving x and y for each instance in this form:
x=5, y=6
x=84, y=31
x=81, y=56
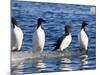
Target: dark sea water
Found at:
x=56, y=16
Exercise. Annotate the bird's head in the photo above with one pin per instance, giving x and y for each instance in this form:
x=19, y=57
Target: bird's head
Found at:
x=40, y=21
x=13, y=21
x=84, y=24
x=67, y=29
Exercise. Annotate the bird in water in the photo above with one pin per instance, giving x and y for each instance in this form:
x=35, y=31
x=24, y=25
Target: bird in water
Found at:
x=16, y=35
x=82, y=37
x=64, y=41
x=39, y=37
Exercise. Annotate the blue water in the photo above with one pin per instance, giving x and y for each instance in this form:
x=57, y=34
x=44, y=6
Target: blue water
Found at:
x=56, y=16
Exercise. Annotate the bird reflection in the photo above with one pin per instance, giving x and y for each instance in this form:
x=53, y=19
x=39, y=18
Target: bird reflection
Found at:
x=64, y=64
x=40, y=65
x=83, y=61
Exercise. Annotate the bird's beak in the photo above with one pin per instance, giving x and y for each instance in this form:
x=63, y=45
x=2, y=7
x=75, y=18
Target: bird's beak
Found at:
x=44, y=21
x=86, y=24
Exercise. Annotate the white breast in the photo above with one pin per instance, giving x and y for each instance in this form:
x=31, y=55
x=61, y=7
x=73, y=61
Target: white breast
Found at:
x=66, y=41
x=83, y=39
x=13, y=40
x=17, y=38
x=38, y=39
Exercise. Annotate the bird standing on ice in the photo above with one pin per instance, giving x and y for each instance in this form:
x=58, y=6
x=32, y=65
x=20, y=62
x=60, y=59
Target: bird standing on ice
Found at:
x=16, y=35
x=39, y=37
x=82, y=37
x=64, y=41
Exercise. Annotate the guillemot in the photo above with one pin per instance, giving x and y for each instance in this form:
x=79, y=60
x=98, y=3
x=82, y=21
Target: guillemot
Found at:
x=82, y=37
x=16, y=35
x=64, y=41
x=39, y=37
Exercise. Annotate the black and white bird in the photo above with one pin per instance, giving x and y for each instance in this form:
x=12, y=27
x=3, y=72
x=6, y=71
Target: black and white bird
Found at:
x=16, y=35
x=64, y=41
x=82, y=37
x=39, y=37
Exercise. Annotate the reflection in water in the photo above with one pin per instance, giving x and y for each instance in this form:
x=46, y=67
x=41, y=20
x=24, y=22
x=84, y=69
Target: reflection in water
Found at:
x=15, y=68
x=64, y=64
x=83, y=61
x=40, y=65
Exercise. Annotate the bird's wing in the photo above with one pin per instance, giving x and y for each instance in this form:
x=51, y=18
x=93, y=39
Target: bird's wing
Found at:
x=13, y=40
x=58, y=43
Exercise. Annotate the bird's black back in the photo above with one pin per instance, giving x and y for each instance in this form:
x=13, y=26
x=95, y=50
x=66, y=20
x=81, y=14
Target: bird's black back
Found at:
x=58, y=42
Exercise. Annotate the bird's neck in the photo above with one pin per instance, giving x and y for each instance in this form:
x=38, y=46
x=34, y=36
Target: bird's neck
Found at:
x=39, y=25
x=13, y=25
x=83, y=26
x=67, y=33
x=83, y=29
